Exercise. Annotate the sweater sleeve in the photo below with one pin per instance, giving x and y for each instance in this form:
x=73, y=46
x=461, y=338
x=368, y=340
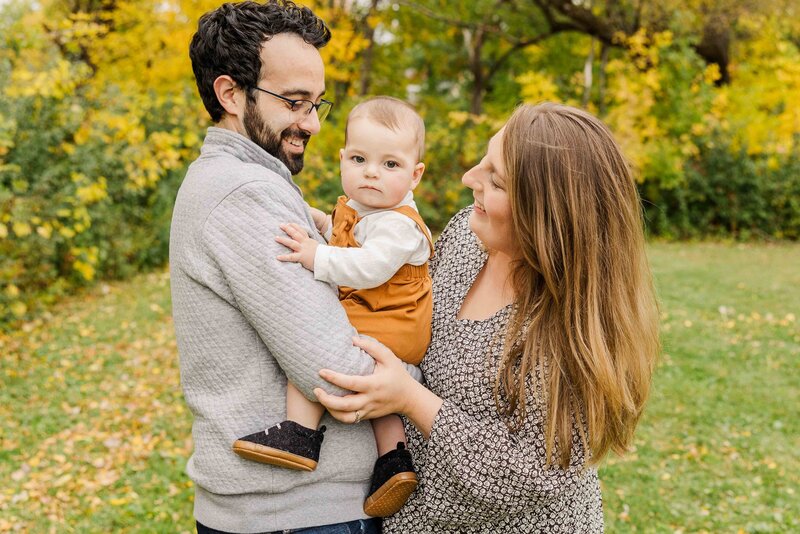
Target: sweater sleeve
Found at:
x=392, y=241
x=298, y=318
x=488, y=470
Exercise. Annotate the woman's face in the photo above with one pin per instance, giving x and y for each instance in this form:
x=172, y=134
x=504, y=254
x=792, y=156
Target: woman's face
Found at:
x=491, y=218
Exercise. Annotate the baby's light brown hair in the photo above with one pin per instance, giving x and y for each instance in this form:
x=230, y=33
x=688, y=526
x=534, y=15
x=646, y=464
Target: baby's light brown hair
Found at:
x=392, y=113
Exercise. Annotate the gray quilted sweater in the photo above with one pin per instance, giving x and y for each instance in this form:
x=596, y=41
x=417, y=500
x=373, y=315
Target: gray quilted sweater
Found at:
x=244, y=323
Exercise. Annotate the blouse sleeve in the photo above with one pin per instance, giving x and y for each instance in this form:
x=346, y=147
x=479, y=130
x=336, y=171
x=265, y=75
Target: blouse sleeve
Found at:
x=483, y=468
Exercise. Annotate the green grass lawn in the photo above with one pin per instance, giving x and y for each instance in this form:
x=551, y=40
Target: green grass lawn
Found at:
x=95, y=435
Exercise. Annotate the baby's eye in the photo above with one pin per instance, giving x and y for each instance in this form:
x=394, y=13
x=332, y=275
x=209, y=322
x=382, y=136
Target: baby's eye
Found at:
x=358, y=159
x=392, y=164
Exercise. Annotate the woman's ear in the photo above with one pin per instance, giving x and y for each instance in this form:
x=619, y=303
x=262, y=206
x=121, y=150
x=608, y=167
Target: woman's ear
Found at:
x=229, y=96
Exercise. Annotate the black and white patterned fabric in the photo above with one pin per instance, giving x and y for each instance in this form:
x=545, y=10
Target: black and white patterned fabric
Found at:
x=475, y=475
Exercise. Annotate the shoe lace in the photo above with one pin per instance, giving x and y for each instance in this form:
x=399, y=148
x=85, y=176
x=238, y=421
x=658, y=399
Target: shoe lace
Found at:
x=266, y=432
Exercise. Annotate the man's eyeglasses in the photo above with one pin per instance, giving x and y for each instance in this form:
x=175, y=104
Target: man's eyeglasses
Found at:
x=304, y=106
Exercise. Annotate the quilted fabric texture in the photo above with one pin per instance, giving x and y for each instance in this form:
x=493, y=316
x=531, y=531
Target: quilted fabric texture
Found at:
x=245, y=322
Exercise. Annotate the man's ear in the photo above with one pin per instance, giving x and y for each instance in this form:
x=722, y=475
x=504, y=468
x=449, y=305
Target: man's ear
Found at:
x=229, y=96
x=419, y=170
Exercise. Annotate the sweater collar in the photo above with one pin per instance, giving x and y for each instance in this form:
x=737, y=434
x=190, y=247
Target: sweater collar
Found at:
x=239, y=146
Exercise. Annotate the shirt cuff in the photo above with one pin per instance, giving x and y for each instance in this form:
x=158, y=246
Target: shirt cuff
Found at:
x=322, y=263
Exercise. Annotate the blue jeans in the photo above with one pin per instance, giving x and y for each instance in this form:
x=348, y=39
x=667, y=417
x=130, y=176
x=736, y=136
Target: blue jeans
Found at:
x=359, y=526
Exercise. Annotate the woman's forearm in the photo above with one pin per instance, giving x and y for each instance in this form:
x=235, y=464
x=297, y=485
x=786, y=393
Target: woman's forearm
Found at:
x=422, y=407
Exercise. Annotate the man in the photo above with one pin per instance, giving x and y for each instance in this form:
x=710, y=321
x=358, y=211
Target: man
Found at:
x=245, y=321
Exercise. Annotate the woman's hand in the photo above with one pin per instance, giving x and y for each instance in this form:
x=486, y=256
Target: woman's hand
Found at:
x=386, y=390
x=389, y=389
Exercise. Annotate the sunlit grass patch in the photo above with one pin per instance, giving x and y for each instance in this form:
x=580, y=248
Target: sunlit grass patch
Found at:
x=717, y=448
x=95, y=433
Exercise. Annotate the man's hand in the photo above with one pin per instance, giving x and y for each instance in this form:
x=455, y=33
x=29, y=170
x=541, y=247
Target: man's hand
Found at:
x=303, y=247
x=321, y=220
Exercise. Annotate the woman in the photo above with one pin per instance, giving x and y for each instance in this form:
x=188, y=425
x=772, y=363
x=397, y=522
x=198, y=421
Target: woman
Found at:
x=543, y=343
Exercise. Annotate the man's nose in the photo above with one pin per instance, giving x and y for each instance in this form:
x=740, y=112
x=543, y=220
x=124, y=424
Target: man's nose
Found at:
x=310, y=123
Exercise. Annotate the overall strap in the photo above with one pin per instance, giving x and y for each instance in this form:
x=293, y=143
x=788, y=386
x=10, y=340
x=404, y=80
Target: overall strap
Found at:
x=414, y=215
x=344, y=219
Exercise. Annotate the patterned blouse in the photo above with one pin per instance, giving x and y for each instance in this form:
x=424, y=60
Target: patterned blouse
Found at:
x=476, y=476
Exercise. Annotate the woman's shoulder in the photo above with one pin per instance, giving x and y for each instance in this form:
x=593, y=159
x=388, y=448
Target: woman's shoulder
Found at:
x=457, y=247
x=457, y=229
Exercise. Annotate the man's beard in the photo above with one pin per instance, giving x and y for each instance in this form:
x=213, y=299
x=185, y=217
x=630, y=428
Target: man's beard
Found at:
x=261, y=134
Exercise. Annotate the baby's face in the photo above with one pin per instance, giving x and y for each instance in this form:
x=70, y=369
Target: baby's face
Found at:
x=379, y=165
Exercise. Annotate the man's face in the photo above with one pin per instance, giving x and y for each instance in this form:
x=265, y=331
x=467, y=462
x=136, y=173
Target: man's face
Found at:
x=291, y=68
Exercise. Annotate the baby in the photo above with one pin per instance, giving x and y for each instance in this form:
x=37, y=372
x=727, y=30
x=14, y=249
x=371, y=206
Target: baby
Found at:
x=377, y=253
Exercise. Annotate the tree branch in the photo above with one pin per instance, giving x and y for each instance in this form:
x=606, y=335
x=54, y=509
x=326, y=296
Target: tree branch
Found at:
x=517, y=47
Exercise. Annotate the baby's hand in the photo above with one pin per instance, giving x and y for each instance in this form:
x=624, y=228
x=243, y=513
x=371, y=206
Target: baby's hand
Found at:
x=321, y=219
x=303, y=247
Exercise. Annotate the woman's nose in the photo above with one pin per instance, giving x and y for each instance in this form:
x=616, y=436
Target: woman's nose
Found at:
x=469, y=179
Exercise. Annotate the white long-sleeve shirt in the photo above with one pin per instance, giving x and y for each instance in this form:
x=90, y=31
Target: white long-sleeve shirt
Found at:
x=388, y=240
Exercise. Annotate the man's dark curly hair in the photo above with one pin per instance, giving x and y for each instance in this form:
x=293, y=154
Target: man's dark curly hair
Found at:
x=228, y=41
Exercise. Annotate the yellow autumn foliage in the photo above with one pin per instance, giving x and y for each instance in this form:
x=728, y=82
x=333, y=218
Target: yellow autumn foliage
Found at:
x=99, y=115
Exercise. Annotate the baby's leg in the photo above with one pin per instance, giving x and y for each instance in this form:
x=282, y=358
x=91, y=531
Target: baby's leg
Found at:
x=301, y=410
x=393, y=479
x=388, y=432
x=294, y=443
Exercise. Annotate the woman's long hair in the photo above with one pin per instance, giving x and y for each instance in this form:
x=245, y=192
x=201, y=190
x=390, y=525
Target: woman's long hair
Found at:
x=584, y=330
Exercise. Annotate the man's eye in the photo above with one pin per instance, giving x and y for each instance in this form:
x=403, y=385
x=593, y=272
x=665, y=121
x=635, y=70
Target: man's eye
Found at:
x=392, y=164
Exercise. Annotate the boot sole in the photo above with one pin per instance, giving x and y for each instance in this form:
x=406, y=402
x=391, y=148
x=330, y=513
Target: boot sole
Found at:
x=268, y=455
x=391, y=496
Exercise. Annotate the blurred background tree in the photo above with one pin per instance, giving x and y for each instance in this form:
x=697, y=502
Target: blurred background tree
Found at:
x=99, y=114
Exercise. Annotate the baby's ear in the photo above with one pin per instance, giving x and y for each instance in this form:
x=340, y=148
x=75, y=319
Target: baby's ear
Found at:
x=341, y=154
x=419, y=170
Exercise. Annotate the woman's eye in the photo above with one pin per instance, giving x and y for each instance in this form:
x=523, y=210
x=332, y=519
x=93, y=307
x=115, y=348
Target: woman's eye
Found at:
x=392, y=164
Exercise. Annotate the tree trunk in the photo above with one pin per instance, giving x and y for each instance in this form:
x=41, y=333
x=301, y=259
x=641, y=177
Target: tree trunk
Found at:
x=715, y=45
x=474, y=45
x=601, y=79
x=588, y=67
x=369, y=51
